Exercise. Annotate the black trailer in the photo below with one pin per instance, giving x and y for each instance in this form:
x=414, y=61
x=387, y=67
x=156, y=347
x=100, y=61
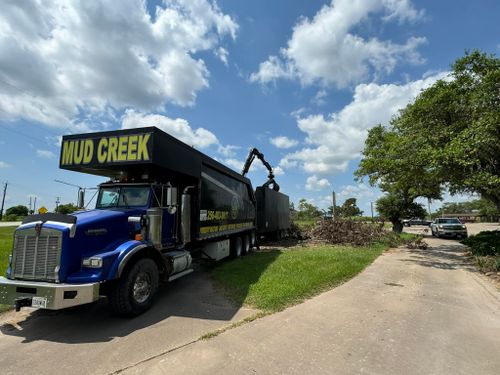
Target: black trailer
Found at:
x=273, y=212
x=216, y=202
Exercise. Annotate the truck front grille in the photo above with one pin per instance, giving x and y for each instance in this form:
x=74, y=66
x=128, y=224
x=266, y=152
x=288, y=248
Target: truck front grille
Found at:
x=452, y=227
x=36, y=257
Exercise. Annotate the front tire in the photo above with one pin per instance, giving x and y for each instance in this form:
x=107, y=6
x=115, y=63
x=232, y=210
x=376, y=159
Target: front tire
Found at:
x=134, y=292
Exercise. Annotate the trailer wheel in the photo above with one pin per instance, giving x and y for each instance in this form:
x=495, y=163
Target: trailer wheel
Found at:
x=253, y=239
x=246, y=244
x=236, y=247
x=134, y=292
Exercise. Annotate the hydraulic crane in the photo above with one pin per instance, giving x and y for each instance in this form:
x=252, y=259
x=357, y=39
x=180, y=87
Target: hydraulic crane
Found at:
x=270, y=177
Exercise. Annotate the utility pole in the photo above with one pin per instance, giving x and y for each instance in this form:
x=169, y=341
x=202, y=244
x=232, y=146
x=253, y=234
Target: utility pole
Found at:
x=34, y=206
x=29, y=212
x=3, y=199
x=58, y=200
x=430, y=213
x=371, y=205
x=334, y=204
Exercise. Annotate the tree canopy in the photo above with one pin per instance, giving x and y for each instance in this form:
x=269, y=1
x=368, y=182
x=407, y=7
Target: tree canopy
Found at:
x=449, y=137
x=66, y=208
x=348, y=209
x=18, y=211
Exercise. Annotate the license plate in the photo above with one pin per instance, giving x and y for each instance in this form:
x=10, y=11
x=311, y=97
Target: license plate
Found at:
x=39, y=302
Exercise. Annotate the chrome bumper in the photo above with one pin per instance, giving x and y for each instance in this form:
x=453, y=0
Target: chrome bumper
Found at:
x=20, y=293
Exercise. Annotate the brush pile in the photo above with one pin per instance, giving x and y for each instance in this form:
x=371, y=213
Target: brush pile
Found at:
x=417, y=243
x=347, y=232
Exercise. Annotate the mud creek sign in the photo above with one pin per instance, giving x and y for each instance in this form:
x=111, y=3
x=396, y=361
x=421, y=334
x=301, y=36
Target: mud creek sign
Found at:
x=106, y=150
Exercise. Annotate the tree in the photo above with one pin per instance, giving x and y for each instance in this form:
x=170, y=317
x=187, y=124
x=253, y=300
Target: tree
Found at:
x=66, y=208
x=308, y=210
x=449, y=137
x=393, y=163
x=481, y=206
x=349, y=208
x=455, y=125
x=393, y=208
x=17, y=211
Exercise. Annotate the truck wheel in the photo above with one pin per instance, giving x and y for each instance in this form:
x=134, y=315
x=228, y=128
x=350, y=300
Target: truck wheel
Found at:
x=134, y=292
x=253, y=239
x=236, y=247
x=246, y=244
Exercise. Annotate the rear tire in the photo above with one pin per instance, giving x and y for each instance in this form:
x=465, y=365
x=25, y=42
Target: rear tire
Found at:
x=253, y=239
x=246, y=244
x=134, y=292
x=236, y=247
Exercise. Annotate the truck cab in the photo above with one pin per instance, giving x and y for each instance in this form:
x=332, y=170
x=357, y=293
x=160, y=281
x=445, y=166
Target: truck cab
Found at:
x=60, y=261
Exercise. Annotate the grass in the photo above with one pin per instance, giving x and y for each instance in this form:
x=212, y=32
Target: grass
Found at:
x=306, y=224
x=271, y=281
x=6, y=236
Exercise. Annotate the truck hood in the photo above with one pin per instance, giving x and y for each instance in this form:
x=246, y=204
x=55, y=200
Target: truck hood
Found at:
x=97, y=231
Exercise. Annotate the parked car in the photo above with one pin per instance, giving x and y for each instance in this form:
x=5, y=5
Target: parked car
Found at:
x=448, y=227
x=416, y=221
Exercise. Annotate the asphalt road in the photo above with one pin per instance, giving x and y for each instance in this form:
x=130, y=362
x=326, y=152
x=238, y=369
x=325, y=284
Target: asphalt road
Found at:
x=410, y=312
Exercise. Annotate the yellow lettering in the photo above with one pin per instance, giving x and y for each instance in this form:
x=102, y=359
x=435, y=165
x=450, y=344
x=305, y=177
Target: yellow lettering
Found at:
x=132, y=148
x=112, y=148
x=78, y=156
x=67, y=154
x=142, y=147
x=122, y=148
x=102, y=153
x=89, y=151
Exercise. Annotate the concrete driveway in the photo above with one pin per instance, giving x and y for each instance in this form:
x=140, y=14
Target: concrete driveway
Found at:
x=89, y=340
x=410, y=312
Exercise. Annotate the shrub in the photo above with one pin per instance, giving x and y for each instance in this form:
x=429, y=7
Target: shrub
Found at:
x=484, y=243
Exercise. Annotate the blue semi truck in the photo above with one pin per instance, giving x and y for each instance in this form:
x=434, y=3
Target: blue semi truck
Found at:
x=164, y=204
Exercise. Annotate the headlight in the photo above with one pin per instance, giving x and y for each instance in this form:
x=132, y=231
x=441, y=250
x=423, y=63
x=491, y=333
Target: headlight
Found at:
x=92, y=262
x=440, y=226
x=463, y=226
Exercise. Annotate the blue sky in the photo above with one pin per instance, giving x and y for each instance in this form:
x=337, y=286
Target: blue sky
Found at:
x=303, y=81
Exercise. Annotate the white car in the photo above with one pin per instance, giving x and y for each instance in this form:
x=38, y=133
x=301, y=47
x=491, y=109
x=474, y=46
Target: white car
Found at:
x=448, y=227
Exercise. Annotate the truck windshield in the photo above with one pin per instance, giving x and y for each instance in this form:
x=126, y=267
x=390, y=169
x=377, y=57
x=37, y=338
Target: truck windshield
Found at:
x=123, y=196
x=449, y=221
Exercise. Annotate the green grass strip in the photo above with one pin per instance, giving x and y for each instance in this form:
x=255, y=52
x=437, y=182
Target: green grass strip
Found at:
x=271, y=281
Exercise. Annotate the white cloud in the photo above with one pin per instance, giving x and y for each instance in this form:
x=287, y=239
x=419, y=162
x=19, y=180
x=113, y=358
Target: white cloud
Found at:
x=228, y=150
x=278, y=171
x=179, y=128
x=222, y=54
x=4, y=165
x=325, y=49
x=283, y=142
x=359, y=191
x=319, y=98
x=233, y=163
x=45, y=154
x=313, y=183
x=338, y=138
x=64, y=58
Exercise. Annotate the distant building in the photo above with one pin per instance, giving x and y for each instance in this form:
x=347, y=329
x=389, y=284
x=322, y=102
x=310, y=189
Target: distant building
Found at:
x=464, y=217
